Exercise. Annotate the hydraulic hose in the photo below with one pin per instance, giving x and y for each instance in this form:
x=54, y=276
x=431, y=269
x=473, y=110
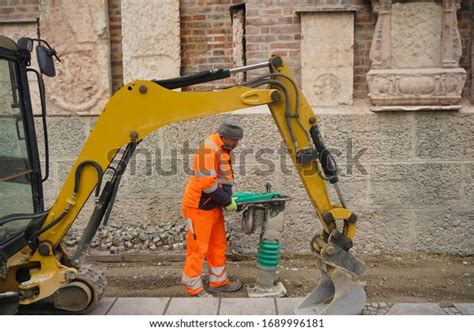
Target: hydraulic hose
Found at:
x=17, y=217
x=77, y=177
x=327, y=161
x=297, y=103
x=287, y=105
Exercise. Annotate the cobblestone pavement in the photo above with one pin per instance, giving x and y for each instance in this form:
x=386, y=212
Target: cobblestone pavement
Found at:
x=450, y=310
x=376, y=308
x=382, y=308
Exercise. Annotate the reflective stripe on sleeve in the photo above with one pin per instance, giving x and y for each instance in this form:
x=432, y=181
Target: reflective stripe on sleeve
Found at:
x=212, y=144
x=212, y=188
x=225, y=181
x=204, y=173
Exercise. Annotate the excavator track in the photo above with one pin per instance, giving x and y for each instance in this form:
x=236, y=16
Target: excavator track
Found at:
x=83, y=293
x=9, y=308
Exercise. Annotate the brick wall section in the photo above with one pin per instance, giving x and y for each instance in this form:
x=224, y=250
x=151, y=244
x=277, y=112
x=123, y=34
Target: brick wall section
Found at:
x=115, y=19
x=18, y=9
x=364, y=21
x=273, y=27
x=206, y=37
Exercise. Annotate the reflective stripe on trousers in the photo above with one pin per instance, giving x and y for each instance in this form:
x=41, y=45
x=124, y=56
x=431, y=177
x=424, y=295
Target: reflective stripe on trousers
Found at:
x=192, y=283
x=217, y=275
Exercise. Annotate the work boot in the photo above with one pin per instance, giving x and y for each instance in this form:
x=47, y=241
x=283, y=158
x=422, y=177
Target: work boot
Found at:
x=231, y=286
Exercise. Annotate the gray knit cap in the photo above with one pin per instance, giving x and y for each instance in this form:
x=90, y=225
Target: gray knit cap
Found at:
x=231, y=128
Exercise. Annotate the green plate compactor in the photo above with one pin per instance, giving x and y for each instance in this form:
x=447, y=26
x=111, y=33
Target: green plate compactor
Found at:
x=264, y=211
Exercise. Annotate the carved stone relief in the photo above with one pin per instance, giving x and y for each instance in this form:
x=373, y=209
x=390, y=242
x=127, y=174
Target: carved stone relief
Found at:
x=419, y=87
x=415, y=55
x=327, y=57
x=78, y=30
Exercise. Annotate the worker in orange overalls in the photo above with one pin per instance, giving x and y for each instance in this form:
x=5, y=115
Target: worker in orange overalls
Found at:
x=207, y=192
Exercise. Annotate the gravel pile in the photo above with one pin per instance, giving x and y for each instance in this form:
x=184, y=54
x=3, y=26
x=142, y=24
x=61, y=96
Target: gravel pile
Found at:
x=147, y=237
x=115, y=238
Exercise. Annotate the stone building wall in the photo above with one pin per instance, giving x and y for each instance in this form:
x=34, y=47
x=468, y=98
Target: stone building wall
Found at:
x=408, y=175
x=206, y=33
x=274, y=26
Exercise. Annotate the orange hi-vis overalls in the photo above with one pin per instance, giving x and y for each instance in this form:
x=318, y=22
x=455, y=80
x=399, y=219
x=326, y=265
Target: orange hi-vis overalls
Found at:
x=207, y=191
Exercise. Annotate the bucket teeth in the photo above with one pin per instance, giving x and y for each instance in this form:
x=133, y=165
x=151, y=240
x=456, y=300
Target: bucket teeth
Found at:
x=336, y=294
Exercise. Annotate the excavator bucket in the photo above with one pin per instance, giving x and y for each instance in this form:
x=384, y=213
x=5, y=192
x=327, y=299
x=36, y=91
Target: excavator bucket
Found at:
x=336, y=294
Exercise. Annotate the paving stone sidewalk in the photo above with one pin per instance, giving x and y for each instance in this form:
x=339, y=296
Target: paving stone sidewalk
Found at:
x=242, y=306
x=264, y=306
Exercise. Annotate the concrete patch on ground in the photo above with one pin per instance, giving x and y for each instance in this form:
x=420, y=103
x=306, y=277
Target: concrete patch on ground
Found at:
x=104, y=306
x=244, y=306
x=190, y=306
x=139, y=306
x=286, y=306
x=416, y=309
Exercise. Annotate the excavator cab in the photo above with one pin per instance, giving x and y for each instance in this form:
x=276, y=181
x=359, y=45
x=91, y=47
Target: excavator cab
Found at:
x=21, y=189
x=21, y=177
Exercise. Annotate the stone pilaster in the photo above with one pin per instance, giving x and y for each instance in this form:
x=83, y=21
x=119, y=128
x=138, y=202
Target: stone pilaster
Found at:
x=380, y=52
x=451, y=39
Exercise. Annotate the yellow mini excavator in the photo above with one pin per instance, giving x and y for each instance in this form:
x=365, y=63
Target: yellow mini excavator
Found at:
x=33, y=266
